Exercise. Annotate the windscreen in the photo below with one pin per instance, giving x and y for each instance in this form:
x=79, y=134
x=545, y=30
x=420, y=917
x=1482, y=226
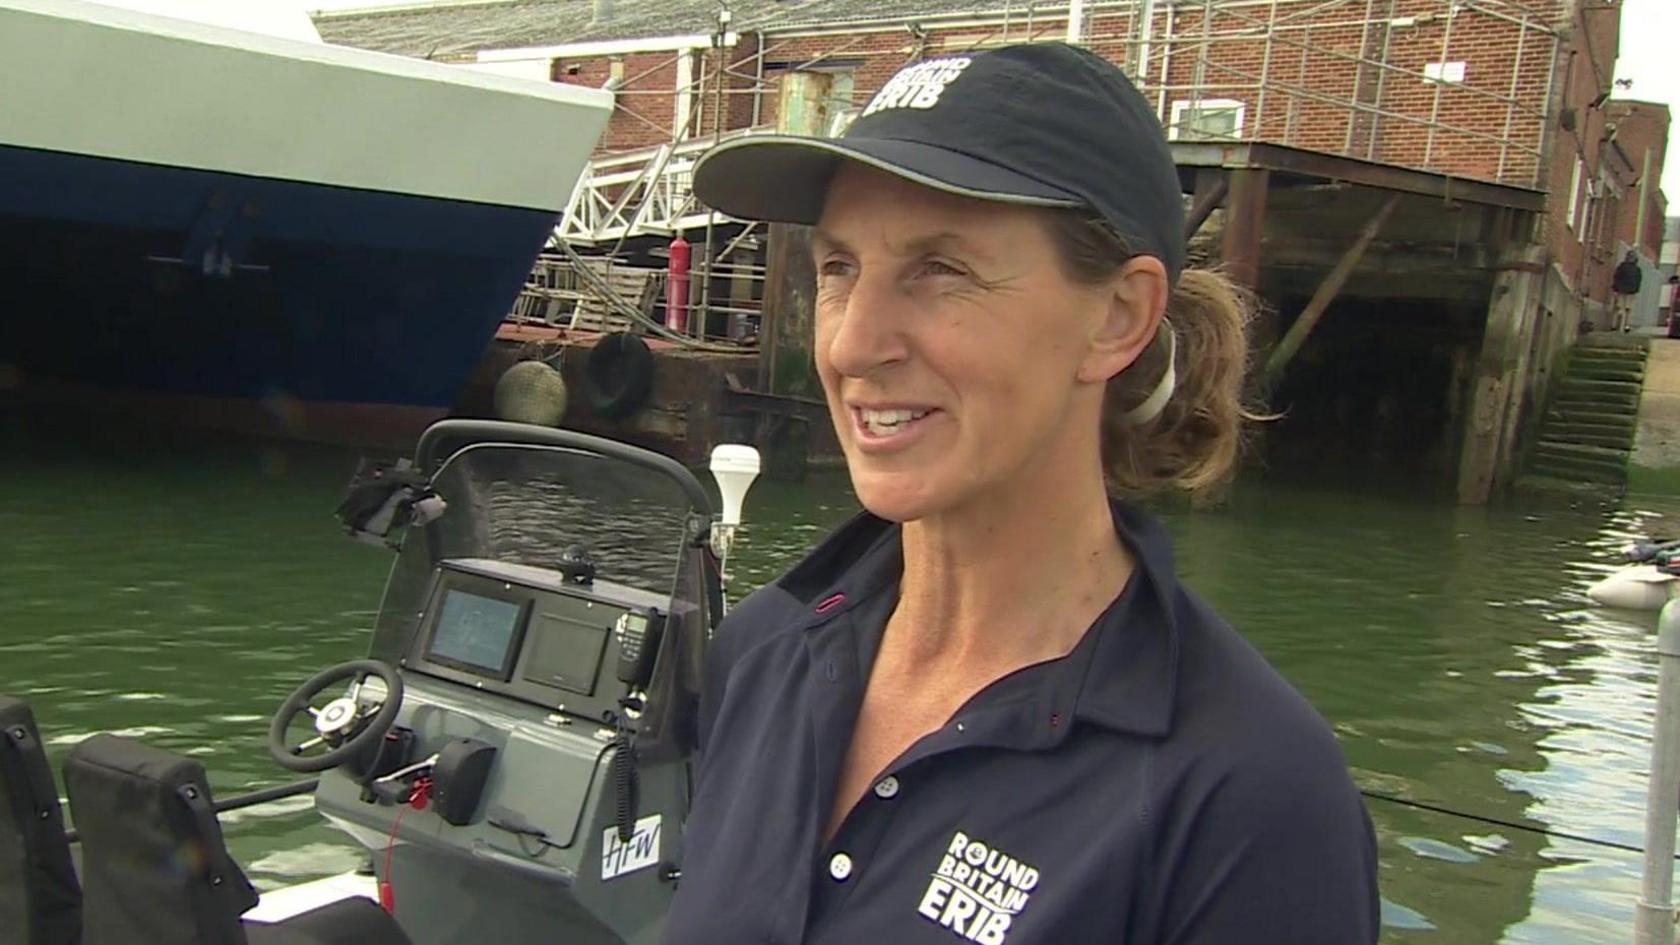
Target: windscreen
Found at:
x=532, y=505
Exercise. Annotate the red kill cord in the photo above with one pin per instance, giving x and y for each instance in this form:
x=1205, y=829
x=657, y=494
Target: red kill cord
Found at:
x=417, y=800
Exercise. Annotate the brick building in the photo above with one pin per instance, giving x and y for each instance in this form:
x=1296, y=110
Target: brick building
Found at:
x=1513, y=91
x=1478, y=136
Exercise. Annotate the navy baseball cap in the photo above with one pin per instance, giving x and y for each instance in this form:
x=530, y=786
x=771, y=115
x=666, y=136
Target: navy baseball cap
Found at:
x=1040, y=124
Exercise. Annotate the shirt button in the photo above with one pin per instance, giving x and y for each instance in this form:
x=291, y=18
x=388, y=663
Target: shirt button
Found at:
x=840, y=867
x=886, y=788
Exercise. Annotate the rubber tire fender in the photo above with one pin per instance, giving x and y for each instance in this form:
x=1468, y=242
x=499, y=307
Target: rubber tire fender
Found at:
x=618, y=376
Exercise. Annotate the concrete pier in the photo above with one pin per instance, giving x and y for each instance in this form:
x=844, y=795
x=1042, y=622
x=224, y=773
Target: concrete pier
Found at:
x=1655, y=465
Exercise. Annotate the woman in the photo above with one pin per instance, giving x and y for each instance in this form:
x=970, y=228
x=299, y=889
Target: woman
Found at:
x=986, y=708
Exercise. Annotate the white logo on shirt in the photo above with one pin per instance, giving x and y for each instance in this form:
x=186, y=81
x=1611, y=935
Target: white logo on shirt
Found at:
x=977, y=891
x=917, y=86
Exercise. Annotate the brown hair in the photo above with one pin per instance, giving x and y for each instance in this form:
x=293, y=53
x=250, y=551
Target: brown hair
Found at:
x=1193, y=443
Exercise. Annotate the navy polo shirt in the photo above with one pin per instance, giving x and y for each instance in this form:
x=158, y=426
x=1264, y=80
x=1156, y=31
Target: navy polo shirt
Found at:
x=1159, y=784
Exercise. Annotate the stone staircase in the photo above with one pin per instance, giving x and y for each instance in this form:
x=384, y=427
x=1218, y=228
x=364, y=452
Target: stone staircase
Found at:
x=1587, y=433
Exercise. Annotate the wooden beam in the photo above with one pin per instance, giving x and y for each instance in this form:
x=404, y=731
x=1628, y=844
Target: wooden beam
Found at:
x=1500, y=383
x=1327, y=292
x=1204, y=205
x=1245, y=218
x=1316, y=164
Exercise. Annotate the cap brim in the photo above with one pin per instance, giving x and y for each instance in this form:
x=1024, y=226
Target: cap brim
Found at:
x=784, y=178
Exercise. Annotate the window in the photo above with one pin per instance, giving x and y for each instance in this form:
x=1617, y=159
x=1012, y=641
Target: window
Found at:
x=1573, y=212
x=1211, y=119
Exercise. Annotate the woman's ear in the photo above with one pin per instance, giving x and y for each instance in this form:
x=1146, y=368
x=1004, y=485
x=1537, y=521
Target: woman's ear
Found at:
x=1136, y=298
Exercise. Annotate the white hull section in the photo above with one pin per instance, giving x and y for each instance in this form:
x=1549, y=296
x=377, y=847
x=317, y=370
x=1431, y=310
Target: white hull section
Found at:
x=89, y=79
x=1641, y=587
x=288, y=901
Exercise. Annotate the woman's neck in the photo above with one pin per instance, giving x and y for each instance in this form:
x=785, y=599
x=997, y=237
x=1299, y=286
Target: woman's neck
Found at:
x=1012, y=580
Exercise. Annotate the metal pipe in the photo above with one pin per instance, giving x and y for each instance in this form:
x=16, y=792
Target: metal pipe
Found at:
x=1440, y=81
x=1166, y=62
x=1146, y=33
x=711, y=215
x=1358, y=77
x=758, y=82
x=1644, y=199
x=1294, y=106
x=1653, y=921
x=1545, y=124
x=1375, y=137
x=1265, y=70
x=1199, y=76
x=1511, y=106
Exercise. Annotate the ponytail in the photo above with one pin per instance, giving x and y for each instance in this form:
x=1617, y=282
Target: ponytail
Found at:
x=1193, y=442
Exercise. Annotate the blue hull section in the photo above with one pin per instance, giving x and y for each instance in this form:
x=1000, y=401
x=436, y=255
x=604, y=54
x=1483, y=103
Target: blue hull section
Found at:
x=181, y=282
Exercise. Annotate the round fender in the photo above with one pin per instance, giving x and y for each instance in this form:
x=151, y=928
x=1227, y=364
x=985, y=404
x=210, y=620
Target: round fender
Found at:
x=619, y=375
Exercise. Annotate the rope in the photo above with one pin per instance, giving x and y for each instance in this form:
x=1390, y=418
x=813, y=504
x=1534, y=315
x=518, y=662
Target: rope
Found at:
x=1505, y=823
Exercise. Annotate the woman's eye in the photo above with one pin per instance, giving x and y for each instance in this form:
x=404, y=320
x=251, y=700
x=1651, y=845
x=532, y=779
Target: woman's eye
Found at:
x=835, y=268
x=936, y=267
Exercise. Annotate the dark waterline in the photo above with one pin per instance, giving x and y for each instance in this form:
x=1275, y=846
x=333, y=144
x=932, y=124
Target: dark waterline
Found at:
x=176, y=587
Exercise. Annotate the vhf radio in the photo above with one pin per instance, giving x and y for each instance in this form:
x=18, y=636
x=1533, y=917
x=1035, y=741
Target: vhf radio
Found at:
x=638, y=634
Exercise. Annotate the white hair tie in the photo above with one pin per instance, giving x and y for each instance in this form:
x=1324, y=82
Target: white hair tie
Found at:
x=1157, y=399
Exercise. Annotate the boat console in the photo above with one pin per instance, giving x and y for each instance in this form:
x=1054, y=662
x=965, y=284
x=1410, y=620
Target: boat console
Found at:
x=514, y=753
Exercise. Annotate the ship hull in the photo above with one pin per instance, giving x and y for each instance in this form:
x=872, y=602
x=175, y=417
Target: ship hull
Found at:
x=172, y=282
x=297, y=238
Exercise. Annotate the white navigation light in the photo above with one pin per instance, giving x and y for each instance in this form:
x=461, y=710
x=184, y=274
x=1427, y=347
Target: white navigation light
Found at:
x=734, y=466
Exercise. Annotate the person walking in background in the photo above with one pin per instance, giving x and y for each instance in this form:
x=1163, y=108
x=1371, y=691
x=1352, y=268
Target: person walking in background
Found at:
x=1673, y=306
x=1624, y=284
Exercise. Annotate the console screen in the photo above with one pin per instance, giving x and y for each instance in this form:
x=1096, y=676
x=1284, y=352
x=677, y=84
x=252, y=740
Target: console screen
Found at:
x=476, y=633
x=567, y=652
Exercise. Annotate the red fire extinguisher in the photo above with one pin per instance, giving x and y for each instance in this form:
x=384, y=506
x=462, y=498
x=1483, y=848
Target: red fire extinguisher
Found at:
x=676, y=285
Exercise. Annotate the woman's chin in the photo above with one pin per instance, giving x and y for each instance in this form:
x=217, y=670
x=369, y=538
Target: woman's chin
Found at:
x=896, y=497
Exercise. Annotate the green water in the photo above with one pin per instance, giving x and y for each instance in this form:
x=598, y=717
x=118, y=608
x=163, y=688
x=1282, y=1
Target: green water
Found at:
x=177, y=589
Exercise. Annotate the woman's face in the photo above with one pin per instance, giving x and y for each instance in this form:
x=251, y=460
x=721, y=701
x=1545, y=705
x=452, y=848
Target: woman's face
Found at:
x=959, y=361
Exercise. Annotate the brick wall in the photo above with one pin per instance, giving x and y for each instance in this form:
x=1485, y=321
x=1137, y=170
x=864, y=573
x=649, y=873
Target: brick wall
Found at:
x=1503, y=122
x=1301, y=89
x=645, y=112
x=1311, y=71
x=1642, y=128
x=1585, y=67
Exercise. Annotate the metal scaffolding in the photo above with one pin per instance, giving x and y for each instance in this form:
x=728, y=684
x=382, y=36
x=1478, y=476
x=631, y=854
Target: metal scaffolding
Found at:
x=1407, y=83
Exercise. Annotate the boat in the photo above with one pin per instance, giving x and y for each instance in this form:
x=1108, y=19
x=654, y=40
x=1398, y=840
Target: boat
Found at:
x=513, y=753
x=1650, y=579
x=1637, y=587
x=261, y=231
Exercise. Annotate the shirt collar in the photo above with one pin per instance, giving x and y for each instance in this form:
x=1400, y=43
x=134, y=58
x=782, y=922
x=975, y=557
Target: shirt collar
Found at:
x=1124, y=676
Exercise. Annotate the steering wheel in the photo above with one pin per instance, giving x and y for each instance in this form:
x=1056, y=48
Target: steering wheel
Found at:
x=348, y=725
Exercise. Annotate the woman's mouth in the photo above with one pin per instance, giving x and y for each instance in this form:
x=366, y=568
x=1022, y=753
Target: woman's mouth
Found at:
x=882, y=427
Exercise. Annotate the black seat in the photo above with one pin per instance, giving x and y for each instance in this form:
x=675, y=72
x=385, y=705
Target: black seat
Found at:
x=155, y=867
x=40, y=900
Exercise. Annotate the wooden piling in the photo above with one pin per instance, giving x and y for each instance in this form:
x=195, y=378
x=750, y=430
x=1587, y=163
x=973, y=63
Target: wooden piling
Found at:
x=1500, y=379
x=1245, y=218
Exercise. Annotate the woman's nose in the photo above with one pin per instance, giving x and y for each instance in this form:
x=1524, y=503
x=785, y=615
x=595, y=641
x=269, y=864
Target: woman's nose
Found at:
x=868, y=327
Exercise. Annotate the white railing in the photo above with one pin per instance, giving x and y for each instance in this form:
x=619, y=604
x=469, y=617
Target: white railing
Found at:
x=638, y=193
